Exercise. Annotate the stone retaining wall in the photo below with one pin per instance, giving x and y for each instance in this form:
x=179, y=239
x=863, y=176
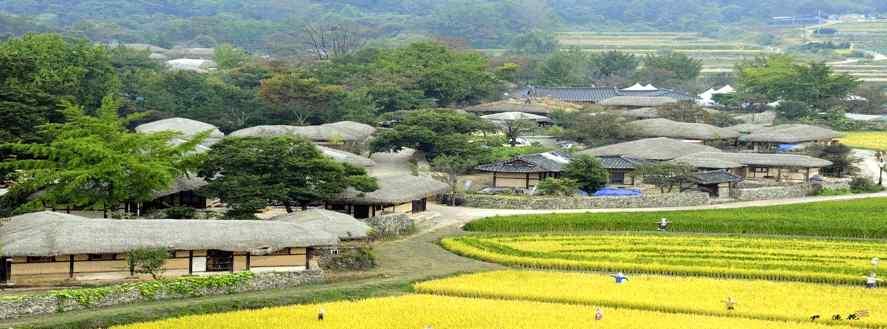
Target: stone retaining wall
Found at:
x=686, y=199
x=52, y=303
x=786, y=191
x=391, y=225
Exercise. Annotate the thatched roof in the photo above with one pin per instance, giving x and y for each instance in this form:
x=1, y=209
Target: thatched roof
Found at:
x=535, y=106
x=346, y=157
x=747, y=128
x=680, y=130
x=345, y=131
x=660, y=149
x=54, y=234
x=790, y=134
x=766, y=118
x=641, y=113
x=735, y=160
x=338, y=224
x=714, y=177
x=187, y=128
x=395, y=190
x=190, y=64
x=183, y=184
x=516, y=116
x=638, y=101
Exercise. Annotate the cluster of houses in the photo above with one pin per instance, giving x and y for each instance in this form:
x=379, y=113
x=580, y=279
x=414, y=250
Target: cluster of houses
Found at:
x=51, y=247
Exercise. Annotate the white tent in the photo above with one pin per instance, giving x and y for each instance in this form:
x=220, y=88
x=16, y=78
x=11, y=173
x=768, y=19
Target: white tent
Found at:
x=650, y=87
x=728, y=89
x=635, y=87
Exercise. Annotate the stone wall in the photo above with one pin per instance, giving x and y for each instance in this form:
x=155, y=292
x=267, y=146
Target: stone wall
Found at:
x=391, y=225
x=132, y=293
x=346, y=257
x=786, y=191
x=686, y=199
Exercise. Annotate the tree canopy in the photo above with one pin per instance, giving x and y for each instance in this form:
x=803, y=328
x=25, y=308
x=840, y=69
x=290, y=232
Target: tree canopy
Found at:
x=435, y=132
x=781, y=78
x=252, y=173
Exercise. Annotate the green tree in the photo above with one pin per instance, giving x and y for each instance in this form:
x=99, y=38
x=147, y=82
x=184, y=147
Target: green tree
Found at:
x=94, y=162
x=588, y=172
x=435, y=132
x=300, y=98
x=39, y=71
x=794, y=110
x=557, y=187
x=252, y=173
x=453, y=167
x=565, y=68
x=615, y=64
x=147, y=261
x=841, y=156
x=593, y=128
x=670, y=68
x=534, y=43
x=665, y=176
x=778, y=77
x=228, y=57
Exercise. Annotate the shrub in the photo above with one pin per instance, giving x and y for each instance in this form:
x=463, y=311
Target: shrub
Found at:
x=588, y=172
x=557, y=187
x=864, y=185
x=180, y=213
x=833, y=191
x=147, y=261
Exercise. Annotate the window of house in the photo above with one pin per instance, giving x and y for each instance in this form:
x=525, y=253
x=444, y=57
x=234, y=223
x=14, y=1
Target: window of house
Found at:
x=760, y=170
x=40, y=259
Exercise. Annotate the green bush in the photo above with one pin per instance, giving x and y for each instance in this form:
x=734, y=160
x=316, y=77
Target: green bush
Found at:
x=864, y=218
x=833, y=192
x=864, y=185
x=180, y=213
x=557, y=187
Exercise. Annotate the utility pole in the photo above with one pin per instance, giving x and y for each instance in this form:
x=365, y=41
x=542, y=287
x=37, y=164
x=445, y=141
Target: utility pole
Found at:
x=882, y=165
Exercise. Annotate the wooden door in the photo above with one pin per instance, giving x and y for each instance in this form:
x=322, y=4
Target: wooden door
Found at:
x=5, y=267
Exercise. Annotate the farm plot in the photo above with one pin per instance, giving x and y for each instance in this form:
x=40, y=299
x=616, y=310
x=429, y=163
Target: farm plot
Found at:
x=424, y=311
x=756, y=299
x=864, y=218
x=870, y=140
x=807, y=260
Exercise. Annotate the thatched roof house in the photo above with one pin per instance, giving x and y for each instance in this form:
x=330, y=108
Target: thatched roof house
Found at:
x=657, y=149
x=641, y=113
x=187, y=128
x=346, y=157
x=345, y=131
x=724, y=160
x=526, y=171
x=535, y=106
x=790, y=134
x=747, y=128
x=53, y=234
x=396, y=194
x=343, y=226
x=679, y=130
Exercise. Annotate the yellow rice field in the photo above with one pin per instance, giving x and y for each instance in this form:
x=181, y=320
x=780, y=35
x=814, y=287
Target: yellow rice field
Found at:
x=871, y=140
x=756, y=299
x=425, y=312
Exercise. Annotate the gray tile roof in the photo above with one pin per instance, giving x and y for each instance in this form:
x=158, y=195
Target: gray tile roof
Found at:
x=620, y=162
x=530, y=163
x=714, y=177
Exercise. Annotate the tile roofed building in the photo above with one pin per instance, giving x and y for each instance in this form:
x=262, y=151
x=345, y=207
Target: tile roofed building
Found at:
x=526, y=171
x=597, y=95
x=620, y=168
x=790, y=167
x=679, y=130
x=657, y=149
x=714, y=177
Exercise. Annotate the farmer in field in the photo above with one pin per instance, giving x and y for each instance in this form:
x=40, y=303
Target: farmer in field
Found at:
x=871, y=281
x=730, y=303
x=620, y=277
x=321, y=314
x=598, y=314
x=663, y=225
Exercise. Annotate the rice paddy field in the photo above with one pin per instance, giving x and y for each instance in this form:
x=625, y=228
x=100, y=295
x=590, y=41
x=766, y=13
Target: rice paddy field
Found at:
x=440, y=312
x=782, y=259
x=870, y=140
x=717, y=56
x=763, y=300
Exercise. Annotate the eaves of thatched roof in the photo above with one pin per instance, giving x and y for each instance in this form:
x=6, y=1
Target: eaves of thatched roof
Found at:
x=345, y=131
x=54, y=234
x=679, y=130
x=706, y=159
x=534, y=106
x=790, y=134
x=638, y=101
x=343, y=226
x=659, y=149
x=394, y=190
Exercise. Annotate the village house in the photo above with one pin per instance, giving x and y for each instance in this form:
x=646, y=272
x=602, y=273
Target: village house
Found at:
x=47, y=248
x=621, y=169
x=784, y=137
x=541, y=106
x=526, y=171
x=636, y=96
x=778, y=167
x=341, y=135
x=396, y=194
x=340, y=225
x=651, y=149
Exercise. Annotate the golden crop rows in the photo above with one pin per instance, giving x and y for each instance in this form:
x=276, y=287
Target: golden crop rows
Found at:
x=437, y=312
x=872, y=140
x=809, y=260
x=756, y=299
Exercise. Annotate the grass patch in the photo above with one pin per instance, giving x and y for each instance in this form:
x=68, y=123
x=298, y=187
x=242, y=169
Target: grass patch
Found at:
x=863, y=218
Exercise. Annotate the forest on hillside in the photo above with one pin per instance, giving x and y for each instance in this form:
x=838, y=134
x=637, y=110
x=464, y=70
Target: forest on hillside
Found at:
x=272, y=26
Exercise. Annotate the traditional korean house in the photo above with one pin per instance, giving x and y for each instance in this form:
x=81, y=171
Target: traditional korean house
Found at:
x=526, y=171
x=778, y=167
x=51, y=248
x=343, y=226
x=691, y=132
x=652, y=149
x=620, y=169
x=339, y=135
x=787, y=137
x=396, y=194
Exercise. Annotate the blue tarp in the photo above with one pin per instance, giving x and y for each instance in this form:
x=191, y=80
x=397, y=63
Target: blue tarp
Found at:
x=787, y=147
x=609, y=191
